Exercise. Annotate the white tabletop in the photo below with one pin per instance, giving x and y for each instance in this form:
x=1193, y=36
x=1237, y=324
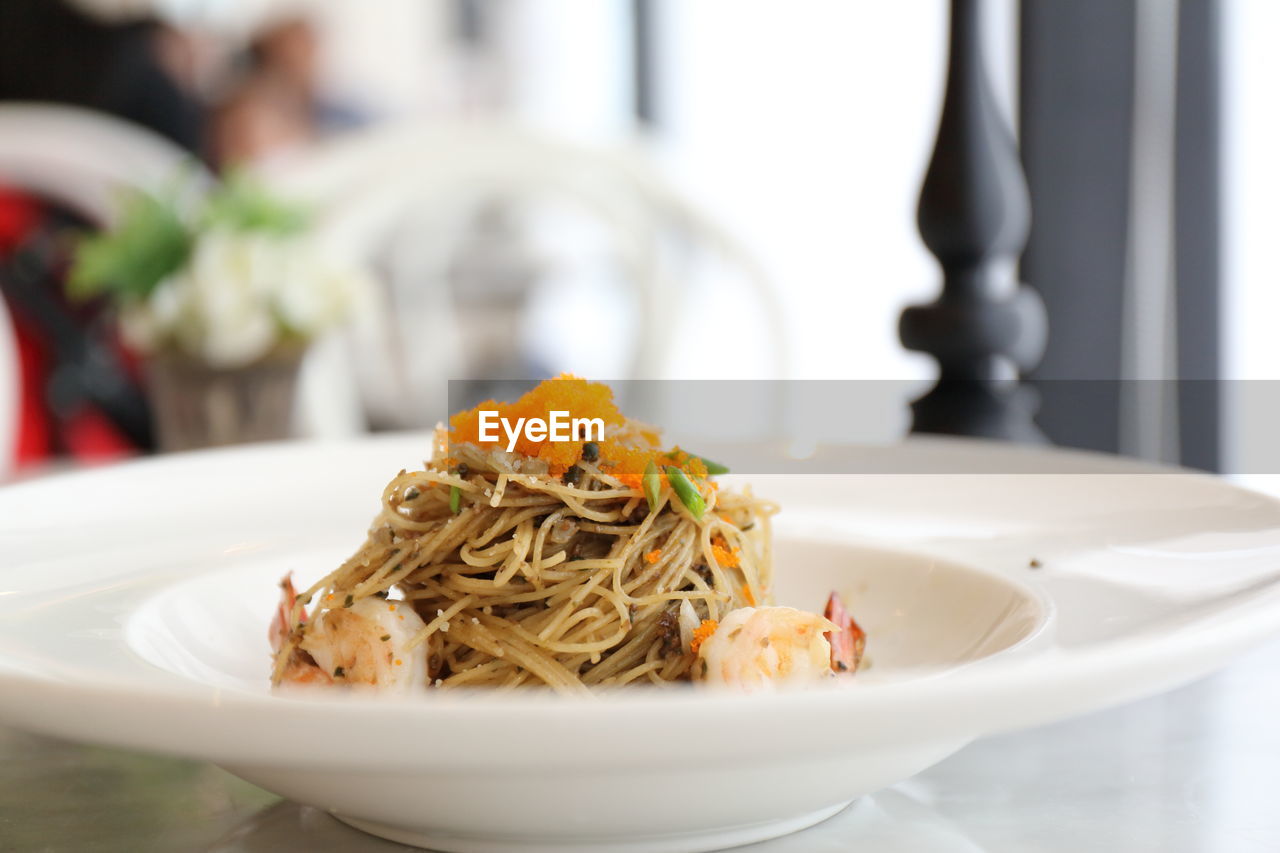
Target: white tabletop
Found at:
x=1195, y=770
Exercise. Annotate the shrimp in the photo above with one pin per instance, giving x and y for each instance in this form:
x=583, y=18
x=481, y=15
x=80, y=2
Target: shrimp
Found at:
x=763, y=647
x=847, y=646
x=280, y=625
x=364, y=644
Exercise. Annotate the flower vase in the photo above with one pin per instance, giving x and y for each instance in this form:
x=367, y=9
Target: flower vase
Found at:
x=196, y=405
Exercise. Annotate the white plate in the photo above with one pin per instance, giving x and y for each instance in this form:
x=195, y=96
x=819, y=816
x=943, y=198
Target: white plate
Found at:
x=134, y=602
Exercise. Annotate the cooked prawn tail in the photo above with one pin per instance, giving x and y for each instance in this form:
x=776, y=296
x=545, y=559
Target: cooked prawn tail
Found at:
x=847, y=644
x=282, y=624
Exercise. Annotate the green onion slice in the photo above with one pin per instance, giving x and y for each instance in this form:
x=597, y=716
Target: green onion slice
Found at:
x=455, y=500
x=713, y=468
x=686, y=492
x=652, y=485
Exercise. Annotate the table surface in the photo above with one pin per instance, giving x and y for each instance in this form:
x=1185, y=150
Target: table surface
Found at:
x=1197, y=769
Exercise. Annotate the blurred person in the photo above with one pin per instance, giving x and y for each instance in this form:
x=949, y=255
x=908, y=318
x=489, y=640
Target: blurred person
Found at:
x=80, y=392
x=53, y=51
x=260, y=116
x=289, y=49
x=274, y=103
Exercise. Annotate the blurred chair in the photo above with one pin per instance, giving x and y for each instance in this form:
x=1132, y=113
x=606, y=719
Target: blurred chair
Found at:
x=79, y=160
x=410, y=195
x=83, y=159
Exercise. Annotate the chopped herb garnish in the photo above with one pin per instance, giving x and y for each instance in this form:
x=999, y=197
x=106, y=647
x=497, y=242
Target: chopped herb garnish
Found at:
x=686, y=491
x=386, y=637
x=713, y=468
x=590, y=452
x=350, y=600
x=339, y=672
x=652, y=483
x=455, y=500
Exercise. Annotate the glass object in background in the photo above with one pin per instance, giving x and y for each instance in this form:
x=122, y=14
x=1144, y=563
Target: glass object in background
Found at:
x=490, y=276
x=222, y=296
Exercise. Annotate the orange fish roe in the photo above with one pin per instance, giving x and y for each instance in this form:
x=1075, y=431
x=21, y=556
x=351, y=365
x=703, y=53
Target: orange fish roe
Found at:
x=701, y=633
x=727, y=557
x=653, y=556
x=749, y=595
x=565, y=393
x=628, y=447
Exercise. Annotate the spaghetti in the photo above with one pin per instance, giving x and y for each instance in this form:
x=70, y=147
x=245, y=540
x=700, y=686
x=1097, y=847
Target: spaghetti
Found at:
x=570, y=564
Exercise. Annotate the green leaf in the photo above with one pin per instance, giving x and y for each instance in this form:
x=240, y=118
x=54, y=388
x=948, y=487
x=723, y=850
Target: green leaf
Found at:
x=241, y=204
x=686, y=492
x=148, y=244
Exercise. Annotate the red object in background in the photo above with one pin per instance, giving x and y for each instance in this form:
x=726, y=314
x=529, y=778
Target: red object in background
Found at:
x=85, y=433
x=18, y=215
x=35, y=424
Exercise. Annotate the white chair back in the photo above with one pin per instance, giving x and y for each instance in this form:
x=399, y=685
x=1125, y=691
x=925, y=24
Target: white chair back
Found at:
x=83, y=159
x=369, y=184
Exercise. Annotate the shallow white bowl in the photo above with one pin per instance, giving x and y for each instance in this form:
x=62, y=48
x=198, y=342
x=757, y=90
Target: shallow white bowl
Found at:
x=141, y=623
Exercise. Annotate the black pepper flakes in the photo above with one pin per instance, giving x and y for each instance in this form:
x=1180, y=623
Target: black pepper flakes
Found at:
x=1034, y=564
x=590, y=452
x=572, y=475
x=463, y=470
x=340, y=672
x=386, y=637
x=350, y=600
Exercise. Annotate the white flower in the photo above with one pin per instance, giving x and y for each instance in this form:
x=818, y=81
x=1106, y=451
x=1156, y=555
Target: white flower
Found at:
x=228, y=321
x=139, y=329
x=148, y=325
x=317, y=292
x=242, y=294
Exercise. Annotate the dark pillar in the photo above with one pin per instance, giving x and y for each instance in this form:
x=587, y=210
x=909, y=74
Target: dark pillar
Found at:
x=984, y=328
